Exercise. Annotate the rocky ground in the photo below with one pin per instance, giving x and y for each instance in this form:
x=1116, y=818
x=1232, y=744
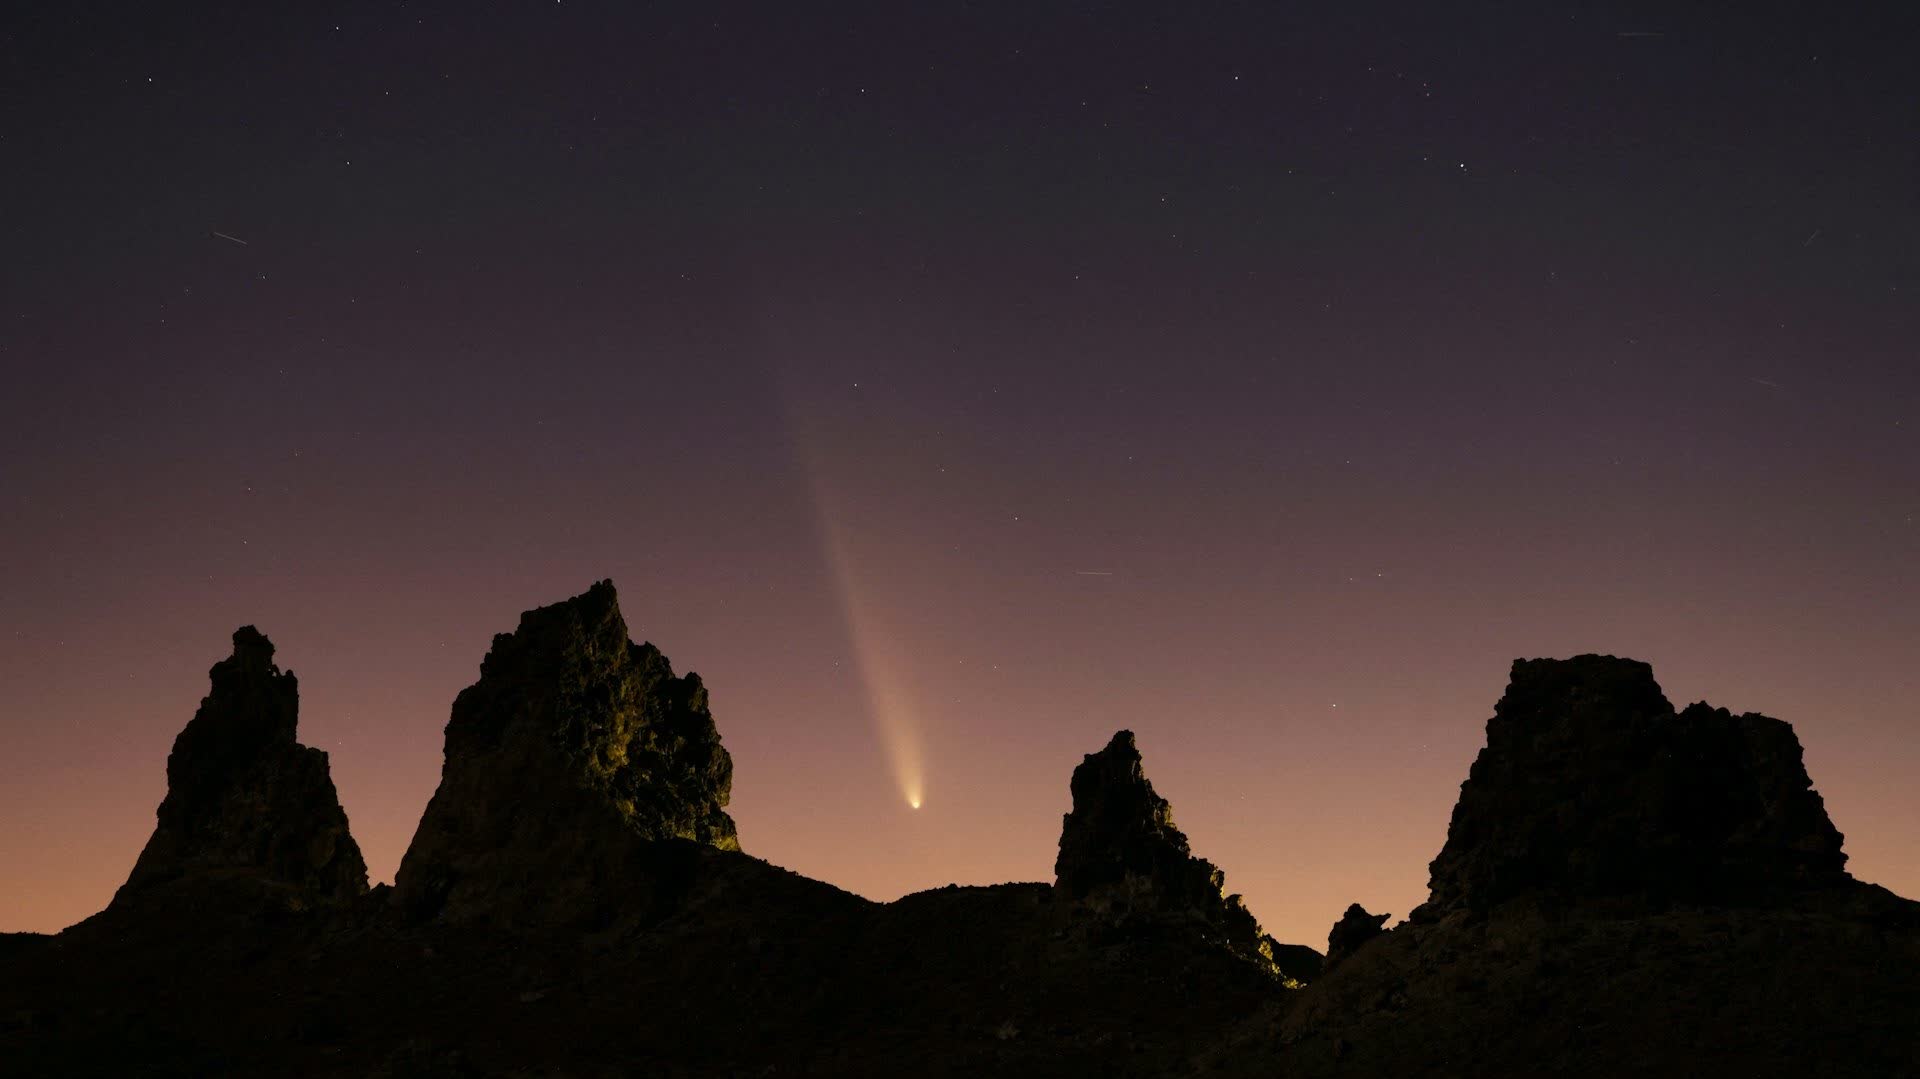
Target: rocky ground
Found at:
x=1625, y=890
x=761, y=973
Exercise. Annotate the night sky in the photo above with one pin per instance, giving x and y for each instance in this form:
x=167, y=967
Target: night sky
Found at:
x=951, y=385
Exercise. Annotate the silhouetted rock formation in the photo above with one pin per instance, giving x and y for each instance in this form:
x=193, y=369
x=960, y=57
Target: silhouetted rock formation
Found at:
x=1590, y=786
x=1296, y=961
x=574, y=745
x=1623, y=891
x=583, y=793
x=243, y=798
x=1123, y=860
x=1355, y=927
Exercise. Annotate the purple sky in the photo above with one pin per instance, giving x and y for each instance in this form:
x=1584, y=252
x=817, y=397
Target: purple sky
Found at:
x=952, y=390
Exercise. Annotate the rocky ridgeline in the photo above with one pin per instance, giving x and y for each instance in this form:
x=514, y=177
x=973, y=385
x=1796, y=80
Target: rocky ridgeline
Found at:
x=1624, y=890
x=244, y=800
x=1123, y=862
x=574, y=744
x=1592, y=787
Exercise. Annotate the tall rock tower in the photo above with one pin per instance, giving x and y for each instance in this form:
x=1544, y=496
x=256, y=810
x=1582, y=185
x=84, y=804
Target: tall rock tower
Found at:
x=574, y=750
x=243, y=798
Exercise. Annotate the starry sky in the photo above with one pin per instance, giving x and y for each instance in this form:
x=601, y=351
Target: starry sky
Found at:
x=951, y=385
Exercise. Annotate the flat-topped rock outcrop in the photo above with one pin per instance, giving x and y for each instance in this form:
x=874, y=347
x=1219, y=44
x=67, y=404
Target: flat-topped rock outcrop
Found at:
x=1592, y=786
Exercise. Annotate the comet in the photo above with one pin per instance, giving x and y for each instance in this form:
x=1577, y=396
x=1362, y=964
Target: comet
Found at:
x=879, y=660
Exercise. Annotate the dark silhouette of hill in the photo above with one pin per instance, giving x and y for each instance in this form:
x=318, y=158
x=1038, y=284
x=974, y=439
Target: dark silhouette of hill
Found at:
x=1624, y=890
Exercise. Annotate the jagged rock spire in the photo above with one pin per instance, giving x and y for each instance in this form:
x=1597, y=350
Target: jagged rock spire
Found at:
x=1122, y=858
x=1591, y=786
x=243, y=796
x=1356, y=927
x=574, y=744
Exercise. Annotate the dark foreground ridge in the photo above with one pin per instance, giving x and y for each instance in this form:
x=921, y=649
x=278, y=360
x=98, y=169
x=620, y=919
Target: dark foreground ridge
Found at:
x=575, y=903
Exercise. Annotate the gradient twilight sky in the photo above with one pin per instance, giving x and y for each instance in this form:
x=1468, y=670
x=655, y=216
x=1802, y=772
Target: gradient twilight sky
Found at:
x=953, y=384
